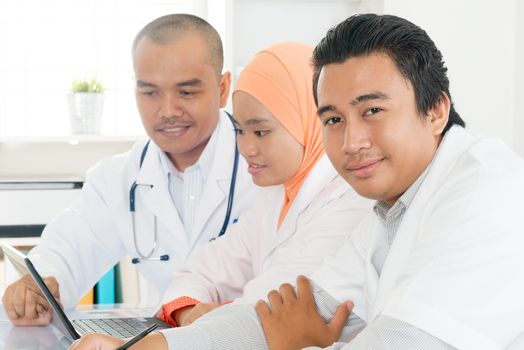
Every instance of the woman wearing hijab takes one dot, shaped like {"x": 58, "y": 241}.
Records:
{"x": 304, "y": 210}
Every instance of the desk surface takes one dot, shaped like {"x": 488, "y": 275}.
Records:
{"x": 29, "y": 338}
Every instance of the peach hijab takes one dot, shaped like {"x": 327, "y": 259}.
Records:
{"x": 280, "y": 77}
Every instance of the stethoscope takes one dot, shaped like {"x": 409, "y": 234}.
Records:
{"x": 149, "y": 256}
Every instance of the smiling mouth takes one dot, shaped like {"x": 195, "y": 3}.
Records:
{"x": 254, "y": 169}
{"x": 364, "y": 169}
{"x": 173, "y": 130}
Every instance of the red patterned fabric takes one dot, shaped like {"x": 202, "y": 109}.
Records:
{"x": 169, "y": 308}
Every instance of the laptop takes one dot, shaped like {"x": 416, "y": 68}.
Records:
{"x": 74, "y": 329}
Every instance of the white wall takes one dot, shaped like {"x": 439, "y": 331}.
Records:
{"x": 478, "y": 39}
{"x": 518, "y": 135}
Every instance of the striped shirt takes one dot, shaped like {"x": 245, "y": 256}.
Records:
{"x": 186, "y": 187}
{"x": 391, "y": 217}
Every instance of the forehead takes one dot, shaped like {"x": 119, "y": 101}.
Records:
{"x": 185, "y": 56}
{"x": 249, "y": 111}
{"x": 359, "y": 76}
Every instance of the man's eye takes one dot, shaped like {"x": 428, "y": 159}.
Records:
{"x": 261, "y": 133}
{"x": 186, "y": 93}
{"x": 147, "y": 93}
{"x": 332, "y": 121}
{"x": 373, "y": 110}
{"x": 239, "y": 131}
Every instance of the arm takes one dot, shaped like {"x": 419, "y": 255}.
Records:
{"x": 82, "y": 242}
{"x": 217, "y": 271}
{"x": 296, "y": 321}
{"x": 319, "y": 232}
{"x": 212, "y": 275}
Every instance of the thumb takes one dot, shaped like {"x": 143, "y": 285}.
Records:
{"x": 339, "y": 319}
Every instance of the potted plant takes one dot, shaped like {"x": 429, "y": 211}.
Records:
{"x": 86, "y": 102}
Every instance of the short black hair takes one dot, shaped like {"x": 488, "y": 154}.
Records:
{"x": 414, "y": 53}
{"x": 169, "y": 28}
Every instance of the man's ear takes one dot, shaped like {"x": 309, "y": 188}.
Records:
{"x": 439, "y": 115}
{"x": 225, "y": 85}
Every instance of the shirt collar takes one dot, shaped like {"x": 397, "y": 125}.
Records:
{"x": 382, "y": 209}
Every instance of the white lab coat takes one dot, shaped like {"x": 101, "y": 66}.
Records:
{"x": 455, "y": 267}
{"x": 95, "y": 232}
{"x": 254, "y": 257}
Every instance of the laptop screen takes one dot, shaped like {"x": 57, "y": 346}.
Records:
{"x": 59, "y": 320}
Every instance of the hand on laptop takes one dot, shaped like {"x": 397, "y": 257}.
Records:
{"x": 25, "y": 305}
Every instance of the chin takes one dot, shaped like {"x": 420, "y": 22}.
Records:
{"x": 264, "y": 182}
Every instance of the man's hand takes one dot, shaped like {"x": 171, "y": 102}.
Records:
{"x": 293, "y": 322}
{"x": 188, "y": 315}
{"x": 25, "y": 305}
{"x": 94, "y": 341}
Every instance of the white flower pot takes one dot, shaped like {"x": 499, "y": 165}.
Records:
{"x": 85, "y": 112}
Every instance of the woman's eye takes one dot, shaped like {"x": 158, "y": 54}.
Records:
{"x": 261, "y": 133}
{"x": 372, "y": 111}
{"x": 239, "y": 131}
{"x": 332, "y": 120}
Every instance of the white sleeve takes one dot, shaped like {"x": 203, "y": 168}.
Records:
{"x": 217, "y": 271}
{"x": 386, "y": 333}
{"x": 343, "y": 275}
{"x": 236, "y": 326}
{"x": 80, "y": 244}
{"x": 319, "y": 233}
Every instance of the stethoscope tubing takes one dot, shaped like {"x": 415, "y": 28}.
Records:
{"x": 132, "y": 208}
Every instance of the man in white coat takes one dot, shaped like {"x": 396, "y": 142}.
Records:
{"x": 438, "y": 264}
{"x": 164, "y": 197}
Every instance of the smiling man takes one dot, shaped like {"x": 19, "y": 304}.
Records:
{"x": 439, "y": 264}
{"x": 167, "y": 195}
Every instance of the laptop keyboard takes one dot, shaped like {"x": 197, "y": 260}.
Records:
{"x": 116, "y": 327}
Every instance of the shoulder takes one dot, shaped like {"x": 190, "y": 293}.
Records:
{"x": 114, "y": 167}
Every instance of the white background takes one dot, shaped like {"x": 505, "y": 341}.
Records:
{"x": 482, "y": 42}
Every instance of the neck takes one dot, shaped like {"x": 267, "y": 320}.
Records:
{"x": 182, "y": 161}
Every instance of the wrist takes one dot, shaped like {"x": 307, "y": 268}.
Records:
{"x": 179, "y": 315}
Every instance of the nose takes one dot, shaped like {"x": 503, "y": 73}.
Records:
{"x": 356, "y": 137}
{"x": 171, "y": 106}
{"x": 246, "y": 147}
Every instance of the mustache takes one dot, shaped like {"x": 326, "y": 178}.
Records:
{"x": 358, "y": 160}
{"x": 170, "y": 122}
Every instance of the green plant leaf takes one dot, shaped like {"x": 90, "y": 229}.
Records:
{"x": 87, "y": 85}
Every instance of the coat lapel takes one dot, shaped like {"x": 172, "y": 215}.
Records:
{"x": 316, "y": 181}
{"x": 153, "y": 189}
{"x": 216, "y": 188}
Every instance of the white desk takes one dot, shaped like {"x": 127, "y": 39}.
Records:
{"x": 43, "y": 338}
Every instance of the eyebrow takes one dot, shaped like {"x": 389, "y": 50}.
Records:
{"x": 323, "y": 109}
{"x": 190, "y": 82}
{"x": 141, "y": 83}
{"x": 362, "y": 98}
{"x": 369, "y": 97}
{"x": 253, "y": 121}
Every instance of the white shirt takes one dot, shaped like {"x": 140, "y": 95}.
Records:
{"x": 186, "y": 187}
